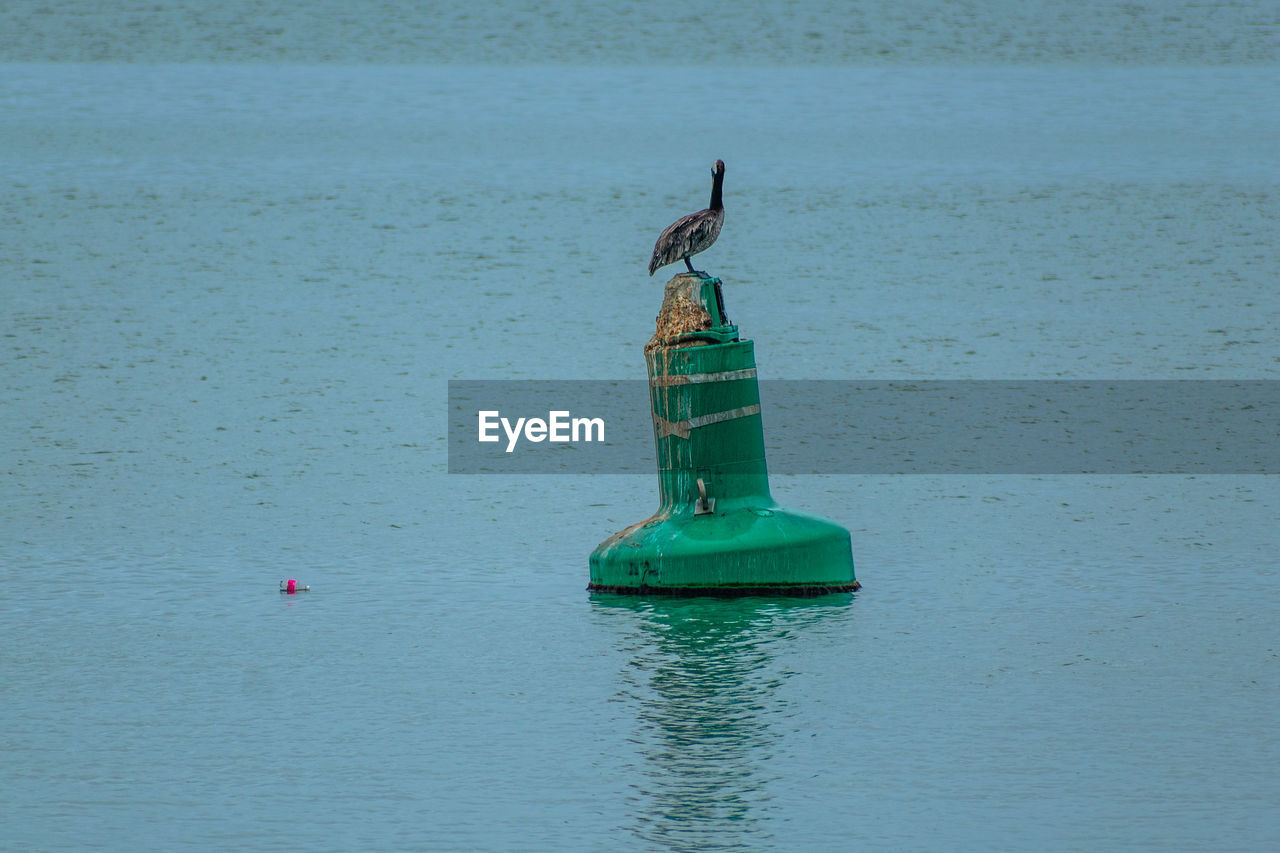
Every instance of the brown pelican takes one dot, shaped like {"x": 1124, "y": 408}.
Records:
{"x": 694, "y": 233}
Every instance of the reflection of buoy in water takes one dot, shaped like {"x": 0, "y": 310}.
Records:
{"x": 291, "y": 586}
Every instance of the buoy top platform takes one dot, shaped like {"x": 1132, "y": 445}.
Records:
{"x": 291, "y": 586}
{"x": 717, "y": 530}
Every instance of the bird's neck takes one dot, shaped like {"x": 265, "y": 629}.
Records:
{"x": 716, "y": 202}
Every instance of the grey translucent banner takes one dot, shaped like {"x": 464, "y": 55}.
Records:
{"x": 898, "y": 427}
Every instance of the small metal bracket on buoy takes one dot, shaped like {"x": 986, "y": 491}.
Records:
{"x": 705, "y": 505}
{"x": 724, "y": 318}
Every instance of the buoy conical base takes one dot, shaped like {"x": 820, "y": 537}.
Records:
{"x": 747, "y": 550}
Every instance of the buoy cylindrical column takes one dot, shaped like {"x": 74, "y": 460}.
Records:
{"x": 717, "y": 529}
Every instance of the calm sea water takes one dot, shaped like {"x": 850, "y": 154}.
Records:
{"x": 233, "y": 295}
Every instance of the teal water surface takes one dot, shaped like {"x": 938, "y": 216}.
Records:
{"x": 239, "y": 264}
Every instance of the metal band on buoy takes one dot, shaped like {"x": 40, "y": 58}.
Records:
{"x": 663, "y": 381}
{"x": 681, "y": 429}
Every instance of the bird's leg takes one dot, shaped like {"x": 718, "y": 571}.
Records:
{"x": 689, "y": 265}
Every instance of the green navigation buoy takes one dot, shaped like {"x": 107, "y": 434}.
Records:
{"x": 717, "y": 530}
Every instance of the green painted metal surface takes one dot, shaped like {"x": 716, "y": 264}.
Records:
{"x": 717, "y": 529}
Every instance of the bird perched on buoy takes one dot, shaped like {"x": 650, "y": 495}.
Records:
{"x": 694, "y": 233}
